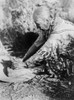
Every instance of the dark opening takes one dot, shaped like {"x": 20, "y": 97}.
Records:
{"x": 17, "y": 43}
{"x": 22, "y": 43}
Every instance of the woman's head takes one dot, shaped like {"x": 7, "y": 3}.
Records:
{"x": 41, "y": 17}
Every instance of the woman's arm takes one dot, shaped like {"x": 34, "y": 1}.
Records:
{"x": 35, "y": 47}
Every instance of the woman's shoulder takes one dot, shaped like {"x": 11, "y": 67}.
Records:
{"x": 61, "y": 25}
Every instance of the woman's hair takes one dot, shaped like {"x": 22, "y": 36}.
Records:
{"x": 41, "y": 14}
{"x": 44, "y": 12}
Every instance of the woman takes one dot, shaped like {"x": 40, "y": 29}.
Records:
{"x": 41, "y": 17}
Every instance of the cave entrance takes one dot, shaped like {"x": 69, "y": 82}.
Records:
{"x": 16, "y": 43}
{"x": 22, "y": 43}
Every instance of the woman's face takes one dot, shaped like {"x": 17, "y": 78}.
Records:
{"x": 44, "y": 23}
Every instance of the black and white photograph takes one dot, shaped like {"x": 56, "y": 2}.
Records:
{"x": 36, "y": 49}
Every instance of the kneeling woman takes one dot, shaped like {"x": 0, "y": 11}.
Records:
{"x": 41, "y": 18}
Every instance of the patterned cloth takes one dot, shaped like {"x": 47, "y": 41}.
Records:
{"x": 61, "y": 36}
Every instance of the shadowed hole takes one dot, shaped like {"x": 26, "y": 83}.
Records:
{"x": 22, "y": 43}
{"x": 17, "y": 43}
